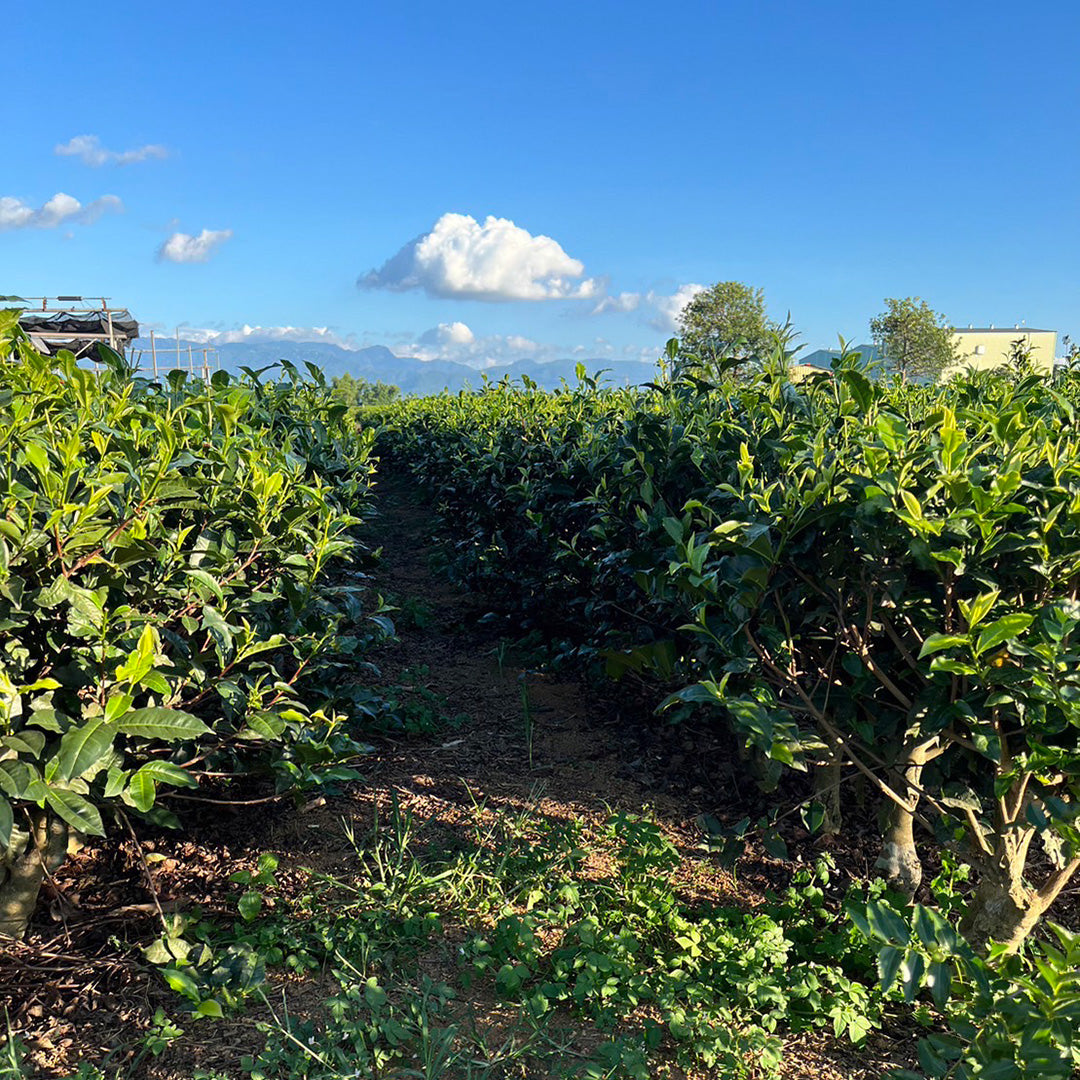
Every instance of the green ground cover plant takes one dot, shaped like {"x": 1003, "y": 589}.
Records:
{"x": 512, "y": 910}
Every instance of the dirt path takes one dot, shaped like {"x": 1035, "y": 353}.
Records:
{"x": 586, "y": 754}
{"x": 593, "y": 750}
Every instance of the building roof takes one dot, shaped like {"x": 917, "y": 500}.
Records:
{"x": 1000, "y": 330}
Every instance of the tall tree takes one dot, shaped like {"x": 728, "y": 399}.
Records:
{"x": 354, "y": 391}
{"x": 916, "y": 341}
{"x": 727, "y": 320}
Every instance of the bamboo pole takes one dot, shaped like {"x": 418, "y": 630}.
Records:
{"x": 153, "y": 352}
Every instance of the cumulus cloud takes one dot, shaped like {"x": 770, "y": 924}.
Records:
{"x": 668, "y": 308}
{"x": 496, "y": 260}
{"x": 261, "y": 334}
{"x": 61, "y": 209}
{"x": 665, "y": 306}
{"x": 185, "y": 248}
{"x": 88, "y": 149}
{"x": 456, "y": 341}
{"x": 455, "y": 333}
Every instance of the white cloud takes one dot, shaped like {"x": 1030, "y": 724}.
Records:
{"x": 666, "y": 307}
{"x": 455, "y": 333}
{"x": 89, "y": 150}
{"x": 625, "y": 301}
{"x": 669, "y": 307}
{"x": 184, "y": 248}
{"x": 455, "y": 341}
{"x": 258, "y": 334}
{"x": 61, "y": 209}
{"x": 497, "y": 260}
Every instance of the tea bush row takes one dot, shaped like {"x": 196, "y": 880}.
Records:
{"x": 174, "y": 583}
{"x": 860, "y": 576}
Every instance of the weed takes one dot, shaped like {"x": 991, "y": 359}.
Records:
{"x": 410, "y": 707}
{"x": 12, "y": 1054}
{"x": 500, "y": 652}
{"x": 527, "y": 717}
{"x": 722, "y": 986}
{"x": 411, "y": 613}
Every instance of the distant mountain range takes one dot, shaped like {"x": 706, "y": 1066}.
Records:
{"x": 414, "y": 376}
{"x": 377, "y": 363}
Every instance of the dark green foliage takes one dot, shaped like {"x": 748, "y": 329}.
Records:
{"x": 165, "y": 586}
{"x": 851, "y": 572}
{"x": 1008, "y": 1018}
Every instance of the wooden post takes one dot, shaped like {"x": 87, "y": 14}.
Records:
{"x": 190, "y": 359}
{"x": 178, "y": 347}
{"x": 153, "y": 352}
{"x": 205, "y": 365}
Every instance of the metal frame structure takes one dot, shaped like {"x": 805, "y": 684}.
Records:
{"x": 77, "y": 323}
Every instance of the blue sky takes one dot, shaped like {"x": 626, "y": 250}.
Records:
{"x": 832, "y": 154}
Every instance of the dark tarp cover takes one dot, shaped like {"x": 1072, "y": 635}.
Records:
{"x": 76, "y": 323}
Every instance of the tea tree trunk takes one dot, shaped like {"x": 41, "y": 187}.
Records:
{"x": 899, "y": 860}
{"x": 1005, "y": 909}
{"x": 44, "y": 850}
{"x": 827, "y": 794}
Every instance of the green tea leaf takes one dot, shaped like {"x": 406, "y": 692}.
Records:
{"x": 78, "y": 812}
{"x": 142, "y": 790}
{"x": 249, "y": 905}
{"x": 886, "y": 923}
{"x": 7, "y": 821}
{"x": 83, "y": 748}
{"x": 162, "y": 723}
{"x": 888, "y": 963}
{"x": 1005, "y": 629}
{"x": 27, "y": 742}
{"x": 165, "y": 772}
{"x": 937, "y": 642}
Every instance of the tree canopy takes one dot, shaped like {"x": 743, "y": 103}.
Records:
{"x": 727, "y": 320}
{"x": 916, "y": 341}
{"x": 354, "y": 391}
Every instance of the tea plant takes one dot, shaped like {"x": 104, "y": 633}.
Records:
{"x": 1011, "y": 1018}
{"x": 171, "y": 582}
{"x": 859, "y": 576}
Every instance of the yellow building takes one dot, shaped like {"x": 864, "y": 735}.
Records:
{"x": 798, "y": 373}
{"x": 986, "y": 347}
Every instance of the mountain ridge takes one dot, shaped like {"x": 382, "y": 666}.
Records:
{"x": 377, "y": 363}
